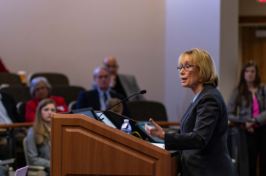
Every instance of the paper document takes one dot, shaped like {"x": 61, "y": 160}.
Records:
{"x": 159, "y": 145}
{"x": 105, "y": 119}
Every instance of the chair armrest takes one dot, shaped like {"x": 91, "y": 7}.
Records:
{"x": 36, "y": 168}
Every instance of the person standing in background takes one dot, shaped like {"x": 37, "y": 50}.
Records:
{"x": 125, "y": 85}
{"x": 248, "y": 102}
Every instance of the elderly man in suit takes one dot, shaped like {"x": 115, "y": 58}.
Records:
{"x": 125, "y": 85}
{"x": 98, "y": 97}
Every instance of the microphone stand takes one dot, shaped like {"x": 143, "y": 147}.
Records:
{"x": 141, "y": 92}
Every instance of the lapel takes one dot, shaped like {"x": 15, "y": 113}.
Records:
{"x": 123, "y": 82}
{"x": 112, "y": 94}
{"x": 191, "y": 107}
{"x": 95, "y": 99}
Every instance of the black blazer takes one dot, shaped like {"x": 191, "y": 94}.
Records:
{"x": 10, "y": 106}
{"x": 91, "y": 99}
{"x": 203, "y": 137}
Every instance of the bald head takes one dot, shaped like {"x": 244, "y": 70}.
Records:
{"x": 110, "y": 63}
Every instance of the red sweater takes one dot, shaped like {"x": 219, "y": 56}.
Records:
{"x": 2, "y": 67}
{"x": 31, "y": 107}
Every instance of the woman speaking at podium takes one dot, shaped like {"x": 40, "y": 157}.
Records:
{"x": 204, "y": 126}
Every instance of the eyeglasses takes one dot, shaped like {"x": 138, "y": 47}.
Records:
{"x": 111, "y": 66}
{"x": 103, "y": 76}
{"x": 186, "y": 67}
{"x": 40, "y": 88}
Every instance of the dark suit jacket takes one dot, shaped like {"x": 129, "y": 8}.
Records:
{"x": 203, "y": 137}
{"x": 91, "y": 99}
{"x": 10, "y": 105}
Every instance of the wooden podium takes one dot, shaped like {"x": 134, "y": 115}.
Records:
{"x": 82, "y": 146}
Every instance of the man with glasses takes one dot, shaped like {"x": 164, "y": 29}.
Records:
{"x": 125, "y": 85}
{"x": 98, "y": 97}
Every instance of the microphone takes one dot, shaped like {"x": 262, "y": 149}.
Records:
{"x": 141, "y": 92}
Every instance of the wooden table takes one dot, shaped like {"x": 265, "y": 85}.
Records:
{"x": 10, "y": 134}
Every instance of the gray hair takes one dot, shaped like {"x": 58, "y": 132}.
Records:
{"x": 37, "y": 80}
{"x": 95, "y": 72}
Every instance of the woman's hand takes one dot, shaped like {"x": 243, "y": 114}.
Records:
{"x": 250, "y": 124}
{"x": 156, "y": 131}
{"x": 250, "y": 130}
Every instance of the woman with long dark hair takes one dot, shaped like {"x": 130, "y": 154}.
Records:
{"x": 248, "y": 102}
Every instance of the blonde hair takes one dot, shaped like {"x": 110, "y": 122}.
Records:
{"x": 118, "y": 108}
{"x": 202, "y": 59}
{"x": 42, "y": 134}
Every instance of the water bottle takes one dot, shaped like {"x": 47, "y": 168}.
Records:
{"x": 126, "y": 127}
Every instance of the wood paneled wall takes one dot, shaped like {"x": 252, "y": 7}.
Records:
{"x": 254, "y": 48}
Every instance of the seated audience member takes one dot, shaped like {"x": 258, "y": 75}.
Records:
{"x": 8, "y": 109}
{"x": 117, "y": 109}
{"x": 97, "y": 98}
{"x": 40, "y": 89}
{"x": 8, "y": 115}
{"x": 2, "y": 67}
{"x": 125, "y": 85}
{"x": 38, "y": 138}
{"x": 4, "y": 171}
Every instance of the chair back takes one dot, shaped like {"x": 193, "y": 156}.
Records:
{"x": 22, "y": 171}
{"x": 21, "y": 107}
{"x": 25, "y": 150}
{"x": 11, "y": 79}
{"x": 18, "y": 93}
{"x": 55, "y": 79}
{"x": 69, "y": 93}
{"x": 33, "y": 170}
{"x": 144, "y": 110}
{"x": 72, "y": 105}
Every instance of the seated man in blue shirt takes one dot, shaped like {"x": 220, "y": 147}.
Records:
{"x": 97, "y": 97}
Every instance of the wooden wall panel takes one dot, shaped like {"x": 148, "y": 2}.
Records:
{"x": 254, "y": 48}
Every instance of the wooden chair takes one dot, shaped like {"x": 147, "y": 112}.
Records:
{"x": 33, "y": 170}
{"x": 72, "y": 105}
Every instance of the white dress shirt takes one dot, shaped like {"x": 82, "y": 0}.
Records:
{"x": 4, "y": 118}
{"x": 101, "y": 96}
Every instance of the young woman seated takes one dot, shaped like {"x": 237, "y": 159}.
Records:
{"x": 38, "y": 138}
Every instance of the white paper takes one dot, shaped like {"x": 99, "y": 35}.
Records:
{"x": 159, "y": 145}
